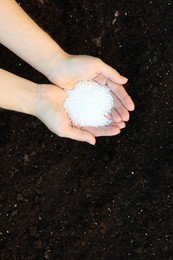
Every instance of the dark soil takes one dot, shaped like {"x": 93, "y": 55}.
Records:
{"x": 61, "y": 199}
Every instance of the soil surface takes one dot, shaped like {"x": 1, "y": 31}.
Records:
{"x": 61, "y": 199}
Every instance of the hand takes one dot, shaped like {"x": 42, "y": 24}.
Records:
{"x": 51, "y": 112}
{"x": 80, "y": 67}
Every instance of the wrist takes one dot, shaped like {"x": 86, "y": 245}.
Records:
{"x": 30, "y": 99}
{"x": 55, "y": 61}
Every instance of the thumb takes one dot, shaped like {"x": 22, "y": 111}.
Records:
{"x": 112, "y": 74}
{"x": 81, "y": 135}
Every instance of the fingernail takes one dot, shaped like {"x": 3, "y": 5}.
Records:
{"x": 92, "y": 142}
{"x": 124, "y": 78}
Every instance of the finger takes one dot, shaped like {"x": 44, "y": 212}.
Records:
{"x": 121, "y": 93}
{"x": 120, "y": 125}
{"x": 112, "y": 74}
{"x": 109, "y": 116}
{"x": 116, "y": 116}
{"x": 102, "y": 80}
{"x": 80, "y": 135}
{"x": 103, "y": 131}
{"x": 123, "y": 112}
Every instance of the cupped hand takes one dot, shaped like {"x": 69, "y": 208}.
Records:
{"x": 51, "y": 112}
{"x": 74, "y": 68}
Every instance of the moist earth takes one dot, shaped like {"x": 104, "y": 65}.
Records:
{"x": 61, "y": 199}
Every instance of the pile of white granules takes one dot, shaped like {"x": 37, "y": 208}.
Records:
{"x": 88, "y": 104}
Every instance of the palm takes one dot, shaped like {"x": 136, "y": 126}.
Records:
{"x": 80, "y": 67}
{"x": 51, "y": 112}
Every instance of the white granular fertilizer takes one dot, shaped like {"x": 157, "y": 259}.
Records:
{"x": 88, "y": 104}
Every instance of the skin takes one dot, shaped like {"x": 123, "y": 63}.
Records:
{"x": 45, "y": 102}
{"x": 37, "y": 48}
